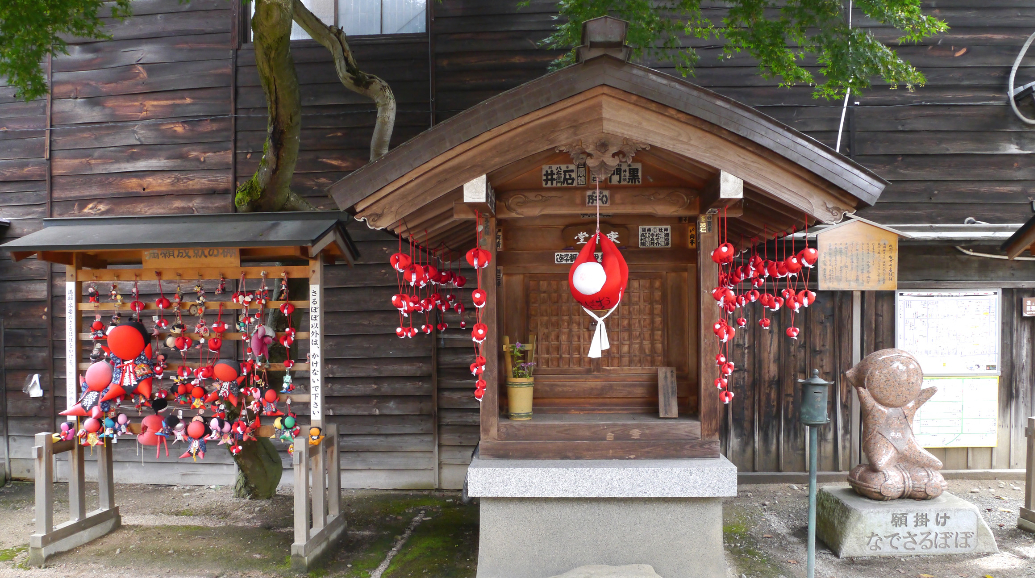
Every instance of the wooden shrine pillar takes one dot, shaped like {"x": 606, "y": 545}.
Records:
{"x": 490, "y": 407}
{"x": 707, "y": 278}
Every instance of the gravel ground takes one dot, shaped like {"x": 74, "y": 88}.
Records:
{"x": 766, "y": 536}
{"x": 205, "y": 532}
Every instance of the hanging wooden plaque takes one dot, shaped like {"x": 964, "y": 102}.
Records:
{"x": 858, "y": 256}
{"x": 191, "y": 257}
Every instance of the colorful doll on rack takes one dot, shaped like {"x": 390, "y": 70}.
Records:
{"x": 196, "y": 434}
{"x": 228, "y": 375}
{"x": 286, "y": 428}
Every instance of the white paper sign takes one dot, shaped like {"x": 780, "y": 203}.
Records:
{"x": 315, "y": 360}
{"x": 963, "y": 414}
{"x": 950, "y": 332}
{"x": 71, "y": 340}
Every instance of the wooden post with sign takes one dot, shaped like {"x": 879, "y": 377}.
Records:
{"x": 857, "y": 255}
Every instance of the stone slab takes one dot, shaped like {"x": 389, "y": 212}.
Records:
{"x": 854, "y": 526}
{"x": 544, "y": 537}
{"x": 1026, "y": 520}
{"x": 600, "y": 571}
{"x": 677, "y": 478}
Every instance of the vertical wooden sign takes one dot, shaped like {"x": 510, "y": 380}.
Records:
{"x": 858, "y": 256}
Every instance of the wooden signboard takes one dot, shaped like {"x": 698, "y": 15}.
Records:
{"x": 577, "y": 235}
{"x": 858, "y": 256}
{"x": 1029, "y": 307}
{"x": 191, "y": 257}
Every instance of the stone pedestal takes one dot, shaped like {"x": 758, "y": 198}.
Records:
{"x": 854, "y": 526}
{"x": 544, "y": 518}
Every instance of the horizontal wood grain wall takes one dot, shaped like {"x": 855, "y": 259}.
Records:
{"x": 168, "y": 116}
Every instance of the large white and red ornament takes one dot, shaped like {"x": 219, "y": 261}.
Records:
{"x": 598, "y": 286}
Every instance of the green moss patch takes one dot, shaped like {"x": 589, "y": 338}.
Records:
{"x": 10, "y": 553}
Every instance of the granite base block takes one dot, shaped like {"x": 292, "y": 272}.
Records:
{"x": 542, "y": 518}
{"x": 855, "y": 526}
{"x": 542, "y": 537}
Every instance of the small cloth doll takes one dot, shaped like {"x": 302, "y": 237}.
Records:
{"x": 315, "y": 436}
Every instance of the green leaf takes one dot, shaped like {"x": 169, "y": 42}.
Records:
{"x": 797, "y": 41}
{"x": 32, "y": 29}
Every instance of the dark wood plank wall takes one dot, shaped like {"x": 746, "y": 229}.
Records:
{"x": 145, "y": 123}
{"x": 137, "y": 125}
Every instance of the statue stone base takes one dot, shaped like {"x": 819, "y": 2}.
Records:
{"x": 854, "y": 526}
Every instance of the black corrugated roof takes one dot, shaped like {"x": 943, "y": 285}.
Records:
{"x": 208, "y": 230}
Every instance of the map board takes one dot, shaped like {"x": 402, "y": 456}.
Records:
{"x": 950, "y": 332}
{"x": 963, "y": 414}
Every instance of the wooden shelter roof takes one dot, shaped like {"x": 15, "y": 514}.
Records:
{"x": 1023, "y": 238}
{"x": 785, "y": 172}
{"x": 323, "y": 231}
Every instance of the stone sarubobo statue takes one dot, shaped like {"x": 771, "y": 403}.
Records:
{"x": 890, "y": 385}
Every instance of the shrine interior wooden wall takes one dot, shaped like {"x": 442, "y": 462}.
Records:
{"x": 166, "y": 116}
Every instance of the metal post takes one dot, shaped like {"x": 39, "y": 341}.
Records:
{"x": 813, "y": 447}
{"x": 813, "y": 413}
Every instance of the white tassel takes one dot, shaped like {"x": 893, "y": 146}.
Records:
{"x": 600, "y": 341}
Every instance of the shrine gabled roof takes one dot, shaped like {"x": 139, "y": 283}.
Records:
{"x": 729, "y": 115}
{"x": 299, "y": 229}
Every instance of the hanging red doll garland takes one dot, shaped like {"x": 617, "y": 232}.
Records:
{"x": 745, "y": 277}
{"x": 479, "y": 259}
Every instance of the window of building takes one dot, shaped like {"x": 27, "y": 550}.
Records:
{"x": 359, "y": 17}
{"x": 366, "y": 17}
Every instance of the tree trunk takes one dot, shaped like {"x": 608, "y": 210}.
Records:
{"x": 333, "y": 38}
{"x": 269, "y": 189}
{"x": 258, "y": 470}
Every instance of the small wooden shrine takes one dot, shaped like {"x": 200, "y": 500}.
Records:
{"x": 681, "y": 170}
{"x": 207, "y": 264}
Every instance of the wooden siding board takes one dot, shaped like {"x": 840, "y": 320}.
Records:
{"x": 110, "y": 54}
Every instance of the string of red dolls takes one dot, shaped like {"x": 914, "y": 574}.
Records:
{"x": 745, "y": 277}
{"x": 422, "y": 275}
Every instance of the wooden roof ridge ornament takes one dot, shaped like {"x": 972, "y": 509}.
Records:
{"x": 603, "y": 36}
{"x": 603, "y": 155}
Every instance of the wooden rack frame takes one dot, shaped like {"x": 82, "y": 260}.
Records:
{"x": 82, "y": 527}
{"x": 1026, "y": 520}
{"x": 317, "y": 497}
{"x": 319, "y": 463}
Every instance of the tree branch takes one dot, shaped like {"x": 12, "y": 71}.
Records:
{"x": 354, "y": 79}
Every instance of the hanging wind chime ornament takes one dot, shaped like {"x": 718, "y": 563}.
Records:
{"x": 598, "y": 286}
